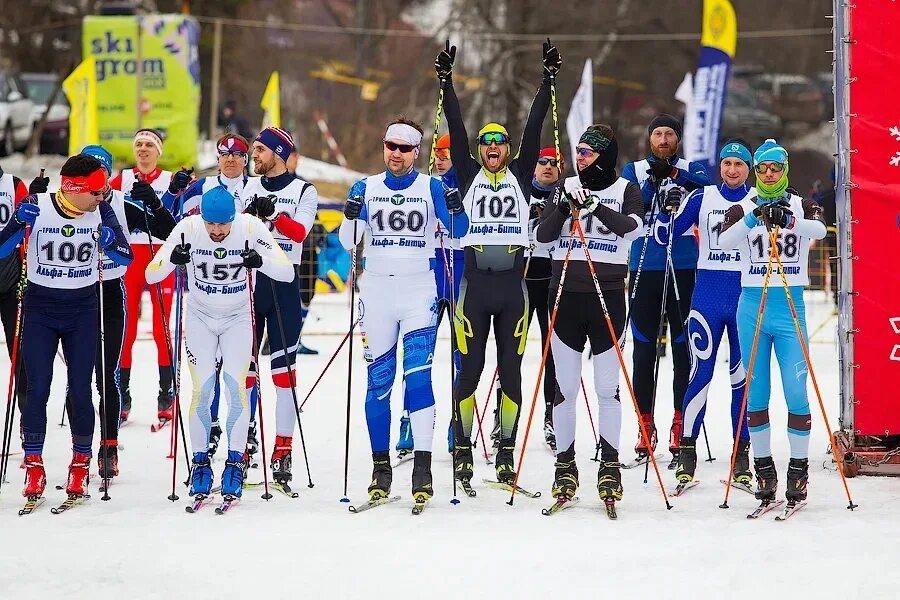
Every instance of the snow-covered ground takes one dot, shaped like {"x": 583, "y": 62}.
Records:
{"x": 141, "y": 545}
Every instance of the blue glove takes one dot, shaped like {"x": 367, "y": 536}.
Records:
{"x": 107, "y": 237}
{"x": 27, "y": 213}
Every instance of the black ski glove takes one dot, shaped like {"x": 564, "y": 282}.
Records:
{"x": 561, "y": 199}
{"x": 777, "y": 214}
{"x": 251, "y": 258}
{"x": 181, "y": 254}
{"x": 453, "y": 200}
{"x": 39, "y": 185}
{"x": 262, "y": 206}
{"x": 443, "y": 64}
{"x": 661, "y": 169}
{"x": 143, "y": 192}
{"x": 673, "y": 200}
{"x": 552, "y": 61}
{"x": 353, "y": 207}
{"x": 180, "y": 180}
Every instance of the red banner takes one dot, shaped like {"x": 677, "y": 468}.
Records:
{"x": 875, "y": 208}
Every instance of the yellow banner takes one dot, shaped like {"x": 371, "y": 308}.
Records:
{"x": 719, "y": 26}
{"x": 81, "y": 90}
{"x": 271, "y": 102}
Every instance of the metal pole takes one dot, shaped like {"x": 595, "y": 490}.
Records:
{"x": 214, "y": 85}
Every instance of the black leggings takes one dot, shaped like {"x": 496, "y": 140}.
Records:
{"x": 645, "y": 310}
{"x": 114, "y": 334}
{"x": 9, "y": 306}
{"x": 487, "y": 295}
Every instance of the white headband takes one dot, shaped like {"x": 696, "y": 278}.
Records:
{"x": 404, "y": 133}
{"x": 149, "y": 136}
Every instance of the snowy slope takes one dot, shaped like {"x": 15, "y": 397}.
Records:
{"x": 140, "y": 545}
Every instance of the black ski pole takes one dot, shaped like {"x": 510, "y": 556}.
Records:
{"x": 102, "y": 374}
{"x": 352, "y": 281}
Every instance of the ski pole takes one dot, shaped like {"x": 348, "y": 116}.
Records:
{"x": 328, "y": 364}
{"x": 480, "y": 416}
{"x": 839, "y": 457}
{"x": 616, "y": 344}
{"x": 176, "y": 382}
{"x": 590, "y": 414}
{"x": 291, "y": 377}
{"x": 259, "y": 403}
{"x": 102, "y": 374}
{"x": 752, "y": 360}
{"x": 15, "y": 359}
{"x": 352, "y": 281}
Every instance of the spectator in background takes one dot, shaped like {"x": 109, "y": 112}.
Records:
{"x": 234, "y": 122}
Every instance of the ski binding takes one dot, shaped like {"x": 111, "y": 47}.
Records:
{"x": 764, "y": 507}
{"x": 373, "y": 503}
{"x": 789, "y": 510}
{"x": 497, "y": 485}
{"x": 562, "y": 503}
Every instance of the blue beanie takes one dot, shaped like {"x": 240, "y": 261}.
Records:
{"x": 278, "y": 140}
{"x": 101, "y": 154}
{"x": 736, "y": 149}
{"x": 217, "y": 205}
{"x": 770, "y": 151}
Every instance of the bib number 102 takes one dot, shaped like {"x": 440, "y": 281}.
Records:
{"x": 496, "y": 207}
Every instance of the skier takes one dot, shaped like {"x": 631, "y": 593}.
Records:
{"x": 713, "y": 304}
{"x": 232, "y": 150}
{"x": 610, "y": 210}
{"x": 747, "y": 227}
{"x": 287, "y": 205}
{"x": 12, "y": 192}
{"x": 397, "y": 213}
{"x": 60, "y": 305}
{"x": 493, "y": 286}
{"x": 221, "y": 248}
{"x": 147, "y": 151}
{"x": 444, "y": 248}
{"x": 661, "y": 171}
{"x": 138, "y": 212}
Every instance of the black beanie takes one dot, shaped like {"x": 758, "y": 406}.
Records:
{"x": 665, "y": 120}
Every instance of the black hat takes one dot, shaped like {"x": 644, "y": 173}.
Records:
{"x": 665, "y": 120}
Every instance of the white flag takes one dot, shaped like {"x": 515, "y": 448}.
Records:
{"x": 685, "y": 95}
{"x": 581, "y": 112}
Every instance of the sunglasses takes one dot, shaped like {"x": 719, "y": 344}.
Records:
{"x": 95, "y": 194}
{"x": 236, "y": 153}
{"x": 493, "y": 138}
{"x": 404, "y": 148}
{"x": 547, "y": 161}
{"x": 775, "y": 167}
{"x": 585, "y": 152}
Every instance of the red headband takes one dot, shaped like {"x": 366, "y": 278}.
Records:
{"x": 83, "y": 184}
{"x": 232, "y": 144}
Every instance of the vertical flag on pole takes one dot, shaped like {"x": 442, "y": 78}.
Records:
{"x": 271, "y": 102}
{"x": 703, "y": 116}
{"x": 81, "y": 90}
{"x": 581, "y": 111}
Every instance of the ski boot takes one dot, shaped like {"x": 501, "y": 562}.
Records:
{"x": 125, "y": 386}
{"x": 405, "y": 440}
{"x": 281, "y": 460}
{"x": 79, "y": 474}
{"x": 422, "y": 489}
{"x": 797, "y": 479}
{"x": 201, "y": 475}
{"x": 640, "y": 448}
{"x": 35, "y": 476}
{"x": 165, "y": 402}
{"x": 504, "y": 462}
{"x": 566, "y": 480}
{"x": 609, "y": 480}
{"x": 675, "y": 434}
{"x": 252, "y": 442}
{"x": 233, "y": 475}
{"x": 495, "y": 432}
{"x": 741, "y": 473}
{"x": 766, "y": 477}
{"x": 382, "y": 476}
{"x": 549, "y": 433}
{"x": 108, "y": 459}
{"x": 301, "y": 349}
{"x": 462, "y": 462}
{"x": 687, "y": 460}
{"x": 215, "y": 434}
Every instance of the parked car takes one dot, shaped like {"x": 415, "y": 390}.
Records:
{"x": 794, "y": 98}
{"x": 55, "y": 136}
{"x": 15, "y": 113}
{"x": 743, "y": 117}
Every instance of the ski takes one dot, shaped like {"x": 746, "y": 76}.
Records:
{"x": 420, "y": 501}
{"x": 764, "y": 507}
{"x": 610, "y": 505}
{"x": 739, "y": 486}
{"x": 497, "y": 485}
{"x": 197, "y": 503}
{"x": 159, "y": 425}
{"x": 562, "y": 503}
{"x": 31, "y": 504}
{"x": 789, "y": 510}
{"x": 373, "y": 503}
{"x": 639, "y": 460}
{"x": 285, "y": 489}
{"x": 681, "y": 488}
{"x": 68, "y": 503}
{"x": 466, "y": 485}
{"x": 227, "y": 503}
{"x": 402, "y": 457}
